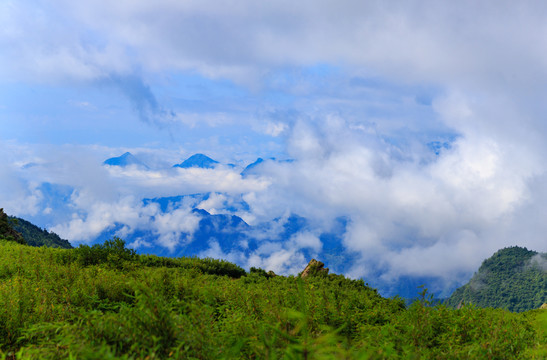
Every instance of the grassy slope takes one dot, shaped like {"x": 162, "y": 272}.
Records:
{"x": 539, "y": 319}
{"x": 106, "y": 302}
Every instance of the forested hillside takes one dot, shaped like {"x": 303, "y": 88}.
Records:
{"x": 21, "y": 231}
{"x": 7, "y": 231}
{"x": 107, "y": 302}
{"x": 34, "y": 236}
{"x": 514, "y": 278}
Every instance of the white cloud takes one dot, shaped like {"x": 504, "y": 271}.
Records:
{"x": 409, "y": 40}
{"x": 139, "y": 243}
{"x": 216, "y": 203}
{"x": 215, "y": 252}
{"x": 450, "y": 209}
{"x": 539, "y": 261}
{"x": 282, "y": 261}
{"x": 307, "y": 240}
{"x": 97, "y": 217}
{"x": 170, "y": 226}
{"x": 17, "y": 193}
{"x": 170, "y": 182}
{"x": 275, "y": 128}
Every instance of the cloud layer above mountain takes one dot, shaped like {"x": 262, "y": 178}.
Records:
{"x": 420, "y": 122}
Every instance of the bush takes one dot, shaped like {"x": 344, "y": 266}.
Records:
{"x": 113, "y": 252}
{"x": 204, "y": 266}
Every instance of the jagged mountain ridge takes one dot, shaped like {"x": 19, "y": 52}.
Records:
{"x": 194, "y": 161}
{"x": 227, "y": 231}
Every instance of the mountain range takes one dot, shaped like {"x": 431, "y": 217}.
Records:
{"x": 194, "y": 161}
{"x": 230, "y": 234}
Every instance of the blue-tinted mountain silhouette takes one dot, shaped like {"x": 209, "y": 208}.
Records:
{"x": 254, "y": 168}
{"x": 198, "y": 161}
{"x": 228, "y": 231}
{"x": 250, "y": 169}
{"x": 124, "y": 160}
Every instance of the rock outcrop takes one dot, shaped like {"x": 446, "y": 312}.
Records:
{"x": 313, "y": 268}
{"x": 544, "y": 306}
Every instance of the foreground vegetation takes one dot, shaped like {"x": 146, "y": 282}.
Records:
{"x": 106, "y": 302}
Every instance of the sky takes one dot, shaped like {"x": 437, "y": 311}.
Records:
{"x": 422, "y": 122}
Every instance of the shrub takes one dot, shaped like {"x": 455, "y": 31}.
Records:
{"x": 113, "y": 252}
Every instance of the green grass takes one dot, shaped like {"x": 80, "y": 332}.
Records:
{"x": 539, "y": 321}
{"x": 106, "y": 302}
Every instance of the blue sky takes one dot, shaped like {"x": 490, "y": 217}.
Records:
{"x": 420, "y": 121}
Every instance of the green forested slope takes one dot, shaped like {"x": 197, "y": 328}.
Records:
{"x": 24, "y": 232}
{"x": 34, "y": 236}
{"x": 6, "y": 229}
{"x": 106, "y": 302}
{"x": 514, "y": 278}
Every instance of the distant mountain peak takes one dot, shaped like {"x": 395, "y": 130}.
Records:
{"x": 198, "y": 161}
{"x": 124, "y": 160}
